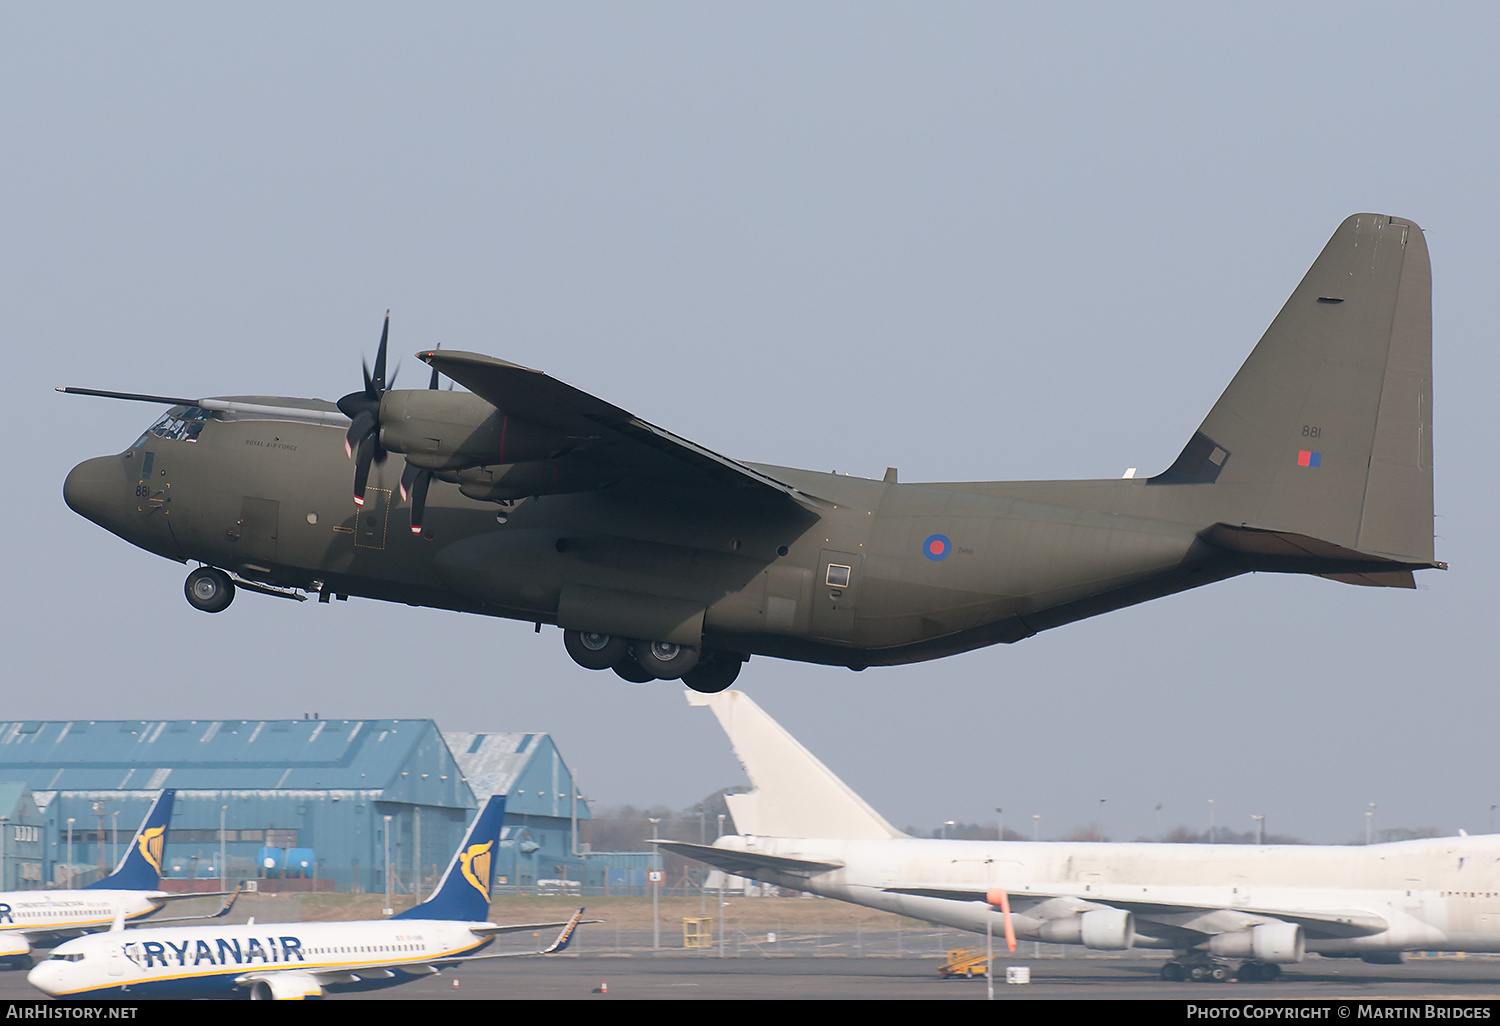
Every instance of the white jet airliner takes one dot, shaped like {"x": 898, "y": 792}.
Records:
{"x": 30, "y": 919}
{"x": 802, "y": 828}
{"x": 300, "y": 960}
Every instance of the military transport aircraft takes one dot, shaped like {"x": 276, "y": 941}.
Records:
{"x": 529, "y": 499}
{"x": 802, "y": 828}
{"x": 301, "y": 960}
{"x": 31, "y": 919}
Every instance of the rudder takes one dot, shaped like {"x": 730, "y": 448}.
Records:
{"x": 140, "y": 866}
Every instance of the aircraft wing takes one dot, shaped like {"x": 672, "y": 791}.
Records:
{"x": 534, "y": 397}
{"x": 1197, "y": 918}
{"x": 224, "y": 910}
{"x": 747, "y": 863}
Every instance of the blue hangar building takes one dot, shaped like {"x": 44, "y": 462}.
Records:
{"x": 289, "y": 801}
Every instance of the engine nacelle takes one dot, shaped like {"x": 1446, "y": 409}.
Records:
{"x": 1279, "y": 943}
{"x": 285, "y": 987}
{"x": 441, "y": 430}
{"x": 13, "y": 945}
{"x": 1104, "y": 929}
{"x": 539, "y": 477}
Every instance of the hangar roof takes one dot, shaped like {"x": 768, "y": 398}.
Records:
{"x": 525, "y": 767}
{"x": 405, "y": 759}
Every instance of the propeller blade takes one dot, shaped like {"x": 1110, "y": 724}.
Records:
{"x": 362, "y": 459}
{"x": 362, "y": 425}
{"x": 379, "y": 380}
{"x": 419, "y": 499}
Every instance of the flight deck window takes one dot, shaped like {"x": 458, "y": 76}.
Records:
{"x": 838, "y": 576}
{"x": 180, "y": 423}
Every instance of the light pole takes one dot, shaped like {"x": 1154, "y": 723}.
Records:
{"x": 946, "y": 825}
{"x": 1036, "y": 826}
{"x": 1260, "y": 828}
{"x": 1101, "y": 818}
{"x": 1210, "y": 821}
{"x": 70, "y": 853}
{"x": 387, "y": 838}
{"x": 721, "y": 894}
{"x": 655, "y": 887}
{"x": 1370, "y": 824}
{"x": 114, "y": 837}
{"x": 1158, "y": 821}
{"x": 223, "y": 864}
{"x": 999, "y": 823}
{"x": 4, "y": 822}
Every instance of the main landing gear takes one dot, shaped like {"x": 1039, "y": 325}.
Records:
{"x": 1197, "y": 968}
{"x": 705, "y": 670}
{"x": 209, "y": 589}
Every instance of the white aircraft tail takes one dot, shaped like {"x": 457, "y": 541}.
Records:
{"x": 794, "y": 794}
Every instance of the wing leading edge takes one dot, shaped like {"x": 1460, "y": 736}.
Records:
{"x": 532, "y": 396}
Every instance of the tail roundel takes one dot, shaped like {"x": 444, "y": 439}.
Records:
{"x": 463, "y": 894}
{"x": 140, "y": 867}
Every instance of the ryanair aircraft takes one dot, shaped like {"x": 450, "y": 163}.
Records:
{"x": 300, "y": 960}
{"x": 30, "y": 919}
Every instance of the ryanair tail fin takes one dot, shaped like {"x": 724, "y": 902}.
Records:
{"x": 140, "y": 867}
{"x": 463, "y": 893}
{"x": 1325, "y": 434}
{"x": 794, "y": 794}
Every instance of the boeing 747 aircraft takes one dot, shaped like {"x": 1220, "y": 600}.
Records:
{"x": 1264, "y": 906}
{"x": 301, "y": 960}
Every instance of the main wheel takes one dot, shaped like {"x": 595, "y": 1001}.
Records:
{"x": 209, "y": 589}
{"x": 1172, "y": 972}
{"x": 594, "y": 651}
{"x": 664, "y": 660}
{"x": 628, "y": 669}
{"x": 713, "y": 673}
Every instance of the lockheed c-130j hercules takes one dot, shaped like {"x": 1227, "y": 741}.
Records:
{"x": 529, "y": 499}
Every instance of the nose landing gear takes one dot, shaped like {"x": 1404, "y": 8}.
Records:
{"x": 209, "y": 589}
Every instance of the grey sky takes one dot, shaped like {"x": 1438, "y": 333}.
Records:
{"x": 966, "y": 240}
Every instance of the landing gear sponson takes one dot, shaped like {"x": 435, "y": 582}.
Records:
{"x": 705, "y": 670}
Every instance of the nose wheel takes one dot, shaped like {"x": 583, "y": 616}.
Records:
{"x": 209, "y": 589}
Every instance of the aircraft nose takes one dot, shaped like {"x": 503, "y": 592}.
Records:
{"x": 45, "y": 977}
{"x": 91, "y": 486}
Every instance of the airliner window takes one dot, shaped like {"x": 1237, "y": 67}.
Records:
{"x": 838, "y": 576}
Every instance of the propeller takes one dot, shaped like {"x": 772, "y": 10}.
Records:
{"x": 414, "y": 480}
{"x": 362, "y": 443}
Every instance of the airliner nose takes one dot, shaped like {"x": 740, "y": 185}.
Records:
{"x": 45, "y": 977}
{"x": 91, "y": 486}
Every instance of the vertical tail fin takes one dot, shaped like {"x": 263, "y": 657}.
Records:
{"x": 1326, "y": 431}
{"x": 140, "y": 867}
{"x": 464, "y": 891}
{"x": 794, "y": 794}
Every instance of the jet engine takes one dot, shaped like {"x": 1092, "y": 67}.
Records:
{"x": 1279, "y": 943}
{"x": 1104, "y": 929}
{"x": 285, "y": 987}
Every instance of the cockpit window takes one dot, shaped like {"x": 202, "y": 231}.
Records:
{"x": 179, "y": 424}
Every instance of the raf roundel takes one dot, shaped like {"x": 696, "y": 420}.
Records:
{"x": 937, "y": 547}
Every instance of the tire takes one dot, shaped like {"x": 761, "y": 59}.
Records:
{"x": 714, "y": 673}
{"x": 594, "y": 651}
{"x": 1172, "y": 972}
{"x": 209, "y": 589}
{"x": 665, "y": 661}
{"x": 627, "y": 669}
